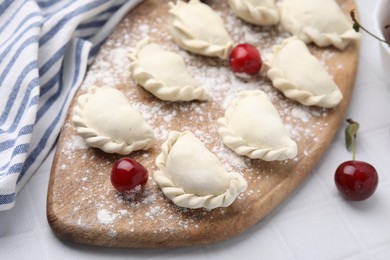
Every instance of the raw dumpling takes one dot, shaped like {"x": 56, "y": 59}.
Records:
{"x": 163, "y": 73}
{"x": 301, "y": 76}
{"x": 195, "y": 27}
{"x": 105, "y": 119}
{"x": 252, "y": 127}
{"x": 319, "y": 21}
{"x": 193, "y": 177}
{"x": 259, "y": 12}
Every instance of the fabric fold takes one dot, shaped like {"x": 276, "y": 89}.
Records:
{"x": 45, "y": 49}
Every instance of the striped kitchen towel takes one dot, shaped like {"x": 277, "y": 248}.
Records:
{"x": 45, "y": 47}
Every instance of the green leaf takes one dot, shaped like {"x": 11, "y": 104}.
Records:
{"x": 356, "y": 27}
{"x": 350, "y": 133}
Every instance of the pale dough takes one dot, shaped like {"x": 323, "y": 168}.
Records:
{"x": 253, "y": 127}
{"x": 195, "y": 27}
{"x": 320, "y": 21}
{"x": 301, "y": 76}
{"x": 259, "y": 12}
{"x": 106, "y": 120}
{"x": 193, "y": 177}
{"x": 163, "y": 73}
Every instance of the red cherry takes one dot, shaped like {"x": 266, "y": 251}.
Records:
{"x": 126, "y": 174}
{"x": 356, "y": 180}
{"x": 245, "y": 60}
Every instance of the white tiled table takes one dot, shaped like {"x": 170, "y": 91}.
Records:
{"x": 314, "y": 223}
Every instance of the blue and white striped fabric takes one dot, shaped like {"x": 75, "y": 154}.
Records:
{"x": 45, "y": 47}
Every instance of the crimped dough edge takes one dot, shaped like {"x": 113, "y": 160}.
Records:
{"x": 188, "y": 42}
{"x": 92, "y": 137}
{"x": 241, "y": 146}
{"x": 158, "y": 88}
{"x": 258, "y": 15}
{"x": 189, "y": 200}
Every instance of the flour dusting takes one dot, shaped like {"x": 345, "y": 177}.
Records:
{"x": 91, "y": 187}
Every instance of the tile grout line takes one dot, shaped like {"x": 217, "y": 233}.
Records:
{"x": 281, "y": 240}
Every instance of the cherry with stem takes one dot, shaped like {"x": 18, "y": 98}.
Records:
{"x": 355, "y": 180}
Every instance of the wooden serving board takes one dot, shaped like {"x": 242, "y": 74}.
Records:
{"x": 82, "y": 205}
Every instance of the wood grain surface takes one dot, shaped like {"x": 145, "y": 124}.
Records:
{"x": 82, "y": 205}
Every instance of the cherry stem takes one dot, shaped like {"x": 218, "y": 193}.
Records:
{"x": 354, "y": 148}
{"x": 358, "y": 26}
